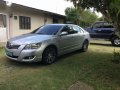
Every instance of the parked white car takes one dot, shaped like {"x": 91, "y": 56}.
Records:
{"x": 47, "y": 42}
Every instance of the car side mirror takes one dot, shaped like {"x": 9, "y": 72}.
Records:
{"x": 63, "y": 33}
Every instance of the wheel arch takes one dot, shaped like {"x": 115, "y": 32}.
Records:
{"x": 86, "y": 40}
{"x": 113, "y": 35}
{"x": 51, "y": 45}
{"x": 85, "y": 49}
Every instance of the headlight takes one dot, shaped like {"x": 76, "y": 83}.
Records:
{"x": 33, "y": 46}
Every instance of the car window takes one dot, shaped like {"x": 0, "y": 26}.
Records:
{"x": 66, "y": 29}
{"x": 108, "y": 25}
{"x": 77, "y": 28}
{"x": 98, "y": 25}
{"x": 82, "y": 30}
{"x": 69, "y": 29}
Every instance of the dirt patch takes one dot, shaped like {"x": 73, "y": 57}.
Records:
{"x": 80, "y": 86}
{"x": 118, "y": 88}
{"x": 2, "y": 44}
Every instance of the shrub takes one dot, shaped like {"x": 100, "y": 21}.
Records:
{"x": 116, "y": 56}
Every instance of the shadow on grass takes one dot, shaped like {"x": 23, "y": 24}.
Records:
{"x": 69, "y": 55}
{"x": 38, "y": 64}
{"x": 23, "y": 64}
{"x": 101, "y": 44}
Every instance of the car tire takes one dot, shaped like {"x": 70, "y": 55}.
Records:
{"x": 85, "y": 46}
{"x": 115, "y": 41}
{"x": 49, "y": 55}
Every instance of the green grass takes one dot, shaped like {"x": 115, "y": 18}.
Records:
{"x": 93, "y": 68}
{"x": 1, "y": 51}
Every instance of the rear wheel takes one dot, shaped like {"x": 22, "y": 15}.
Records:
{"x": 49, "y": 55}
{"x": 115, "y": 41}
{"x": 85, "y": 46}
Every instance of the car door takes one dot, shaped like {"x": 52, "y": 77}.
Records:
{"x": 107, "y": 30}
{"x": 102, "y": 30}
{"x": 66, "y": 42}
{"x": 78, "y": 36}
{"x": 96, "y": 30}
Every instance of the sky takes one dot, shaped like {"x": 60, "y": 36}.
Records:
{"x": 56, "y": 6}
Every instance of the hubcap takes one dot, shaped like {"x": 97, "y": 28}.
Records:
{"x": 50, "y": 55}
{"x": 85, "y": 46}
{"x": 117, "y": 41}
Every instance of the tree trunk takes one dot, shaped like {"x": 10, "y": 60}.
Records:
{"x": 114, "y": 18}
{"x": 116, "y": 23}
{"x": 117, "y": 26}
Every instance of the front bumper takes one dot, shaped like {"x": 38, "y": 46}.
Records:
{"x": 33, "y": 55}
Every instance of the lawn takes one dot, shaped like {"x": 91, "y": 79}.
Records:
{"x": 93, "y": 68}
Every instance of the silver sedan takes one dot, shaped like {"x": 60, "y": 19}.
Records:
{"x": 47, "y": 42}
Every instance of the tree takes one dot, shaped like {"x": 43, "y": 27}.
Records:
{"x": 109, "y": 8}
{"x": 80, "y": 17}
{"x": 72, "y": 15}
{"x": 88, "y": 17}
{"x": 101, "y": 19}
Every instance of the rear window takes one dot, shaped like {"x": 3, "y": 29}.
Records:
{"x": 103, "y": 25}
{"x": 108, "y": 25}
{"x": 98, "y": 25}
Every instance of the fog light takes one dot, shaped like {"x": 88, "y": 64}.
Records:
{"x": 29, "y": 57}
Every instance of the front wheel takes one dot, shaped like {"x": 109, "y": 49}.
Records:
{"x": 85, "y": 46}
{"x": 115, "y": 41}
{"x": 49, "y": 55}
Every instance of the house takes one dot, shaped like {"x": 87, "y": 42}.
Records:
{"x": 17, "y": 19}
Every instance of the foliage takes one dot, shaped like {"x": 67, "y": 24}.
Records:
{"x": 88, "y": 18}
{"x": 116, "y": 56}
{"x": 80, "y": 17}
{"x": 109, "y": 8}
{"x": 1, "y": 51}
{"x": 72, "y": 15}
{"x": 101, "y": 18}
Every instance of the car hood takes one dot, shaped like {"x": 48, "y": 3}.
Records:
{"x": 30, "y": 38}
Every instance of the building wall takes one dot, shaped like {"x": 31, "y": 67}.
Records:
{"x": 49, "y": 20}
{"x": 61, "y": 21}
{"x": 4, "y": 30}
{"x": 37, "y": 19}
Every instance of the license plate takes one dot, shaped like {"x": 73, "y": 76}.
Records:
{"x": 9, "y": 53}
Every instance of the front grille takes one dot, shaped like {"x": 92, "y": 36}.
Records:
{"x": 12, "y": 46}
{"x": 13, "y": 56}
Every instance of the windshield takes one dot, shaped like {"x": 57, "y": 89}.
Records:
{"x": 48, "y": 29}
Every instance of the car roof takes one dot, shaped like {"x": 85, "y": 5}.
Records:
{"x": 60, "y": 24}
{"x": 102, "y": 22}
